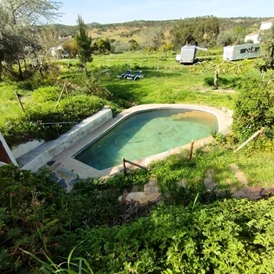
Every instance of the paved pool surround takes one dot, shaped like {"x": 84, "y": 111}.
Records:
{"x": 66, "y": 161}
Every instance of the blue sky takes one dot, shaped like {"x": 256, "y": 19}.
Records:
{"x": 118, "y": 11}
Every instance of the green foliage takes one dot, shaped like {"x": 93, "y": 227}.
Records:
{"x": 84, "y": 43}
{"x": 230, "y": 236}
{"x": 254, "y": 109}
{"x": 102, "y": 46}
{"x": 31, "y": 215}
{"x": 46, "y": 94}
{"x": 199, "y": 30}
{"x": 70, "y": 266}
{"x": 31, "y": 126}
{"x": 93, "y": 87}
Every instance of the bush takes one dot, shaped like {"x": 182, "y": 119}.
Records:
{"x": 254, "y": 109}
{"x": 31, "y": 126}
{"x": 230, "y": 236}
{"x": 46, "y": 94}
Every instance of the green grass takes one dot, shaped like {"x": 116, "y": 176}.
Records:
{"x": 165, "y": 81}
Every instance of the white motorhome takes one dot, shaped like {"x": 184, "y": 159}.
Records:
{"x": 188, "y": 54}
{"x": 240, "y": 52}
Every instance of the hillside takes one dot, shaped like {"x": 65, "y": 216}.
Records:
{"x": 133, "y": 30}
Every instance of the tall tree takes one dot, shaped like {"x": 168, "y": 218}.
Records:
{"x": 31, "y": 12}
{"x": 18, "y": 37}
{"x": 195, "y": 31}
{"x": 84, "y": 43}
{"x": 153, "y": 38}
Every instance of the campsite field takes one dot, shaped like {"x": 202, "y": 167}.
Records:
{"x": 165, "y": 81}
{"x": 191, "y": 230}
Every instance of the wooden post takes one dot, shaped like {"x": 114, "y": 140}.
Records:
{"x": 60, "y": 96}
{"x": 19, "y": 101}
{"x": 259, "y": 132}
{"x": 67, "y": 85}
{"x": 259, "y": 135}
{"x": 124, "y": 166}
{"x": 191, "y": 149}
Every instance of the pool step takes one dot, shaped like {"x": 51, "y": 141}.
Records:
{"x": 192, "y": 114}
{"x": 65, "y": 177}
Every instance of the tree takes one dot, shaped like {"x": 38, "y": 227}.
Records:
{"x": 195, "y": 31}
{"x": 153, "y": 38}
{"x": 219, "y": 68}
{"x": 18, "y": 36}
{"x": 133, "y": 45}
{"x": 103, "y": 46}
{"x": 31, "y": 12}
{"x": 84, "y": 43}
{"x": 71, "y": 47}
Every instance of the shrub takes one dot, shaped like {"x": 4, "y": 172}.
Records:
{"x": 254, "y": 109}
{"x": 46, "y": 94}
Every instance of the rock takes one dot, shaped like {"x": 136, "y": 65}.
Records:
{"x": 250, "y": 193}
{"x": 141, "y": 198}
{"x": 137, "y": 188}
{"x": 269, "y": 191}
{"x": 152, "y": 185}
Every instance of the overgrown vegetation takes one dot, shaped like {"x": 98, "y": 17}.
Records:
{"x": 191, "y": 230}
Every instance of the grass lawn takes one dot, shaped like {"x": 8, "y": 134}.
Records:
{"x": 165, "y": 81}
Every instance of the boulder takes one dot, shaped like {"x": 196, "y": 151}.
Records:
{"x": 140, "y": 198}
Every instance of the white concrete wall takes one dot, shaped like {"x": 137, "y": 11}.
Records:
{"x": 68, "y": 139}
{"x": 26, "y": 148}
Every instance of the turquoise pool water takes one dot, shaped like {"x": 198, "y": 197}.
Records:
{"x": 145, "y": 134}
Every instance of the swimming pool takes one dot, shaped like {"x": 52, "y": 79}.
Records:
{"x": 147, "y": 133}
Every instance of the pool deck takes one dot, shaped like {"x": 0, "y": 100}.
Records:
{"x": 66, "y": 167}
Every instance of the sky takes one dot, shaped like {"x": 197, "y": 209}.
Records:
{"x": 119, "y": 11}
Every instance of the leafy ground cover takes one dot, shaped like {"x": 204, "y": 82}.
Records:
{"x": 191, "y": 230}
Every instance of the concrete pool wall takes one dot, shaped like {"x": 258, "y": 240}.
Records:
{"x": 66, "y": 161}
{"x": 39, "y": 157}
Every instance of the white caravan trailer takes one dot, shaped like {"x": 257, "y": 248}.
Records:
{"x": 188, "y": 54}
{"x": 239, "y": 52}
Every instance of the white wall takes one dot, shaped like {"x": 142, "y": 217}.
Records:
{"x": 23, "y": 149}
{"x": 68, "y": 139}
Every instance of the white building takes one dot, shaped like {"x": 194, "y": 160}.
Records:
{"x": 254, "y": 37}
{"x": 267, "y": 24}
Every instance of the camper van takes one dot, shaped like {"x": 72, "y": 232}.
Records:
{"x": 188, "y": 54}
{"x": 239, "y": 52}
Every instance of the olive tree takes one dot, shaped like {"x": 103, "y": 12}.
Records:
{"x": 19, "y": 35}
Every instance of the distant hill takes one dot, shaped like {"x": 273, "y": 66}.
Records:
{"x": 132, "y": 30}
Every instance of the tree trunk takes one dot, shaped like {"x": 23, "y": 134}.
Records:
{"x": 1, "y": 70}
{"x": 20, "y": 75}
{"x": 216, "y": 78}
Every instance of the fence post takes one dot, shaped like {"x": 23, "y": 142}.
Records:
{"x": 19, "y": 100}
{"x": 191, "y": 150}
{"x": 124, "y": 166}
